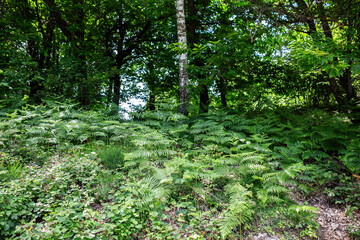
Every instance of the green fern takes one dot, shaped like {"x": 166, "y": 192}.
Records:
{"x": 351, "y": 157}
{"x": 239, "y": 210}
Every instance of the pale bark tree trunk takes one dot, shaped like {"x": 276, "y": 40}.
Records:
{"x": 183, "y": 58}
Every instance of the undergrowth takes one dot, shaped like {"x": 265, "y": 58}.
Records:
{"x": 72, "y": 174}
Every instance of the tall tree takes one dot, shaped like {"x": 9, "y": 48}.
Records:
{"x": 183, "y": 57}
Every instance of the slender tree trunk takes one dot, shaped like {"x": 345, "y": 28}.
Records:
{"x": 223, "y": 90}
{"x": 76, "y": 37}
{"x": 117, "y": 83}
{"x": 120, "y": 56}
{"x": 336, "y": 91}
{"x": 204, "y": 99}
{"x": 84, "y": 94}
{"x": 78, "y": 20}
{"x": 110, "y": 90}
{"x": 194, "y": 38}
{"x": 345, "y": 79}
{"x": 183, "y": 58}
{"x": 151, "y": 103}
{"x": 34, "y": 50}
{"x": 35, "y": 85}
{"x": 347, "y": 84}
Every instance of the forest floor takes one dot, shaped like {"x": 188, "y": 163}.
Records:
{"x": 70, "y": 174}
{"x": 333, "y": 220}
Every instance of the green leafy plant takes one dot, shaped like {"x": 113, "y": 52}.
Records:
{"x": 112, "y": 157}
{"x": 354, "y": 232}
{"x": 351, "y": 157}
{"x": 10, "y": 172}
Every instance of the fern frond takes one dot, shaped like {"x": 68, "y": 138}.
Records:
{"x": 302, "y": 208}
{"x": 239, "y": 209}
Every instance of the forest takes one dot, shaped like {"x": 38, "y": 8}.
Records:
{"x": 248, "y": 125}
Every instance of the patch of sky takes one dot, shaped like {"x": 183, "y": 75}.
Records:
{"x": 134, "y": 103}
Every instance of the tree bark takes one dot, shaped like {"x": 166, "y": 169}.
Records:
{"x": 35, "y": 85}
{"x": 37, "y": 47}
{"x": 347, "y": 84}
{"x": 307, "y": 14}
{"x": 183, "y": 58}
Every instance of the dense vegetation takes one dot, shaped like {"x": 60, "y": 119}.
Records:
{"x": 67, "y": 173}
{"x": 269, "y": 112}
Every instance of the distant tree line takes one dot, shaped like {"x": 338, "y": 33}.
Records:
{"x": 240, "y": 53}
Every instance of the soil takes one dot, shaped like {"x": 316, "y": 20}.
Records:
{"x": 334, "y": 220}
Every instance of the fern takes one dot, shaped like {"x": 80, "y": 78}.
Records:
{"x": 232, "y": 161}
{"x": 147, "y": 194}
{"x": 239, "y": 210}
{"x": 351, "y": 157}
{"x": 302, "y": 208}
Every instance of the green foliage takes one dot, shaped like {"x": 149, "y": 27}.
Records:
{"x": 354, "y": 232}
{"x": 343, "y": 190}
{"x": 10, "y": 172}
{"x": 351, "y": 157}
{"x": 217, "y": 174}
{"x": 239, "y": 210}
{"x": 223, "y": 147}
{"x": 33, "y": 131}
{"x": 39, "y": 192}
{"x": 112, "y": 157}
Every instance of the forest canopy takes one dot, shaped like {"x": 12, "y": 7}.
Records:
{"x": 241, "y": 53}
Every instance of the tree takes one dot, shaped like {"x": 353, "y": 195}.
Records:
{"x": 75, "y": 31}
{"x": 183, "y": 57}
{"x": 331, "y": 42}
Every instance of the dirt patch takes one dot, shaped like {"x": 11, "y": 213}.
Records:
{"x": 334, "y": 220}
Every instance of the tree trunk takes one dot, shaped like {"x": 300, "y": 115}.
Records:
{"x": 84, "y": 94}
{"x": 346, "y": 83}
{"x": 194, "y": 38}
{"x": 151, "y": 103}
{"x": 77, "y": 39}
{"x": 117, "y": 83}
{"x": 35, "y": 85}
{"x": 120, "y": 56}
{"x": 204, "y": 99}
{"x": 336, "y": 91}
{"x": 78, "y": 21}
{"x": 223, "y": 89}
{"x": 345, "y": 79}
{"x": 183, "y": 58}
{"x": 110, "y": 90}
